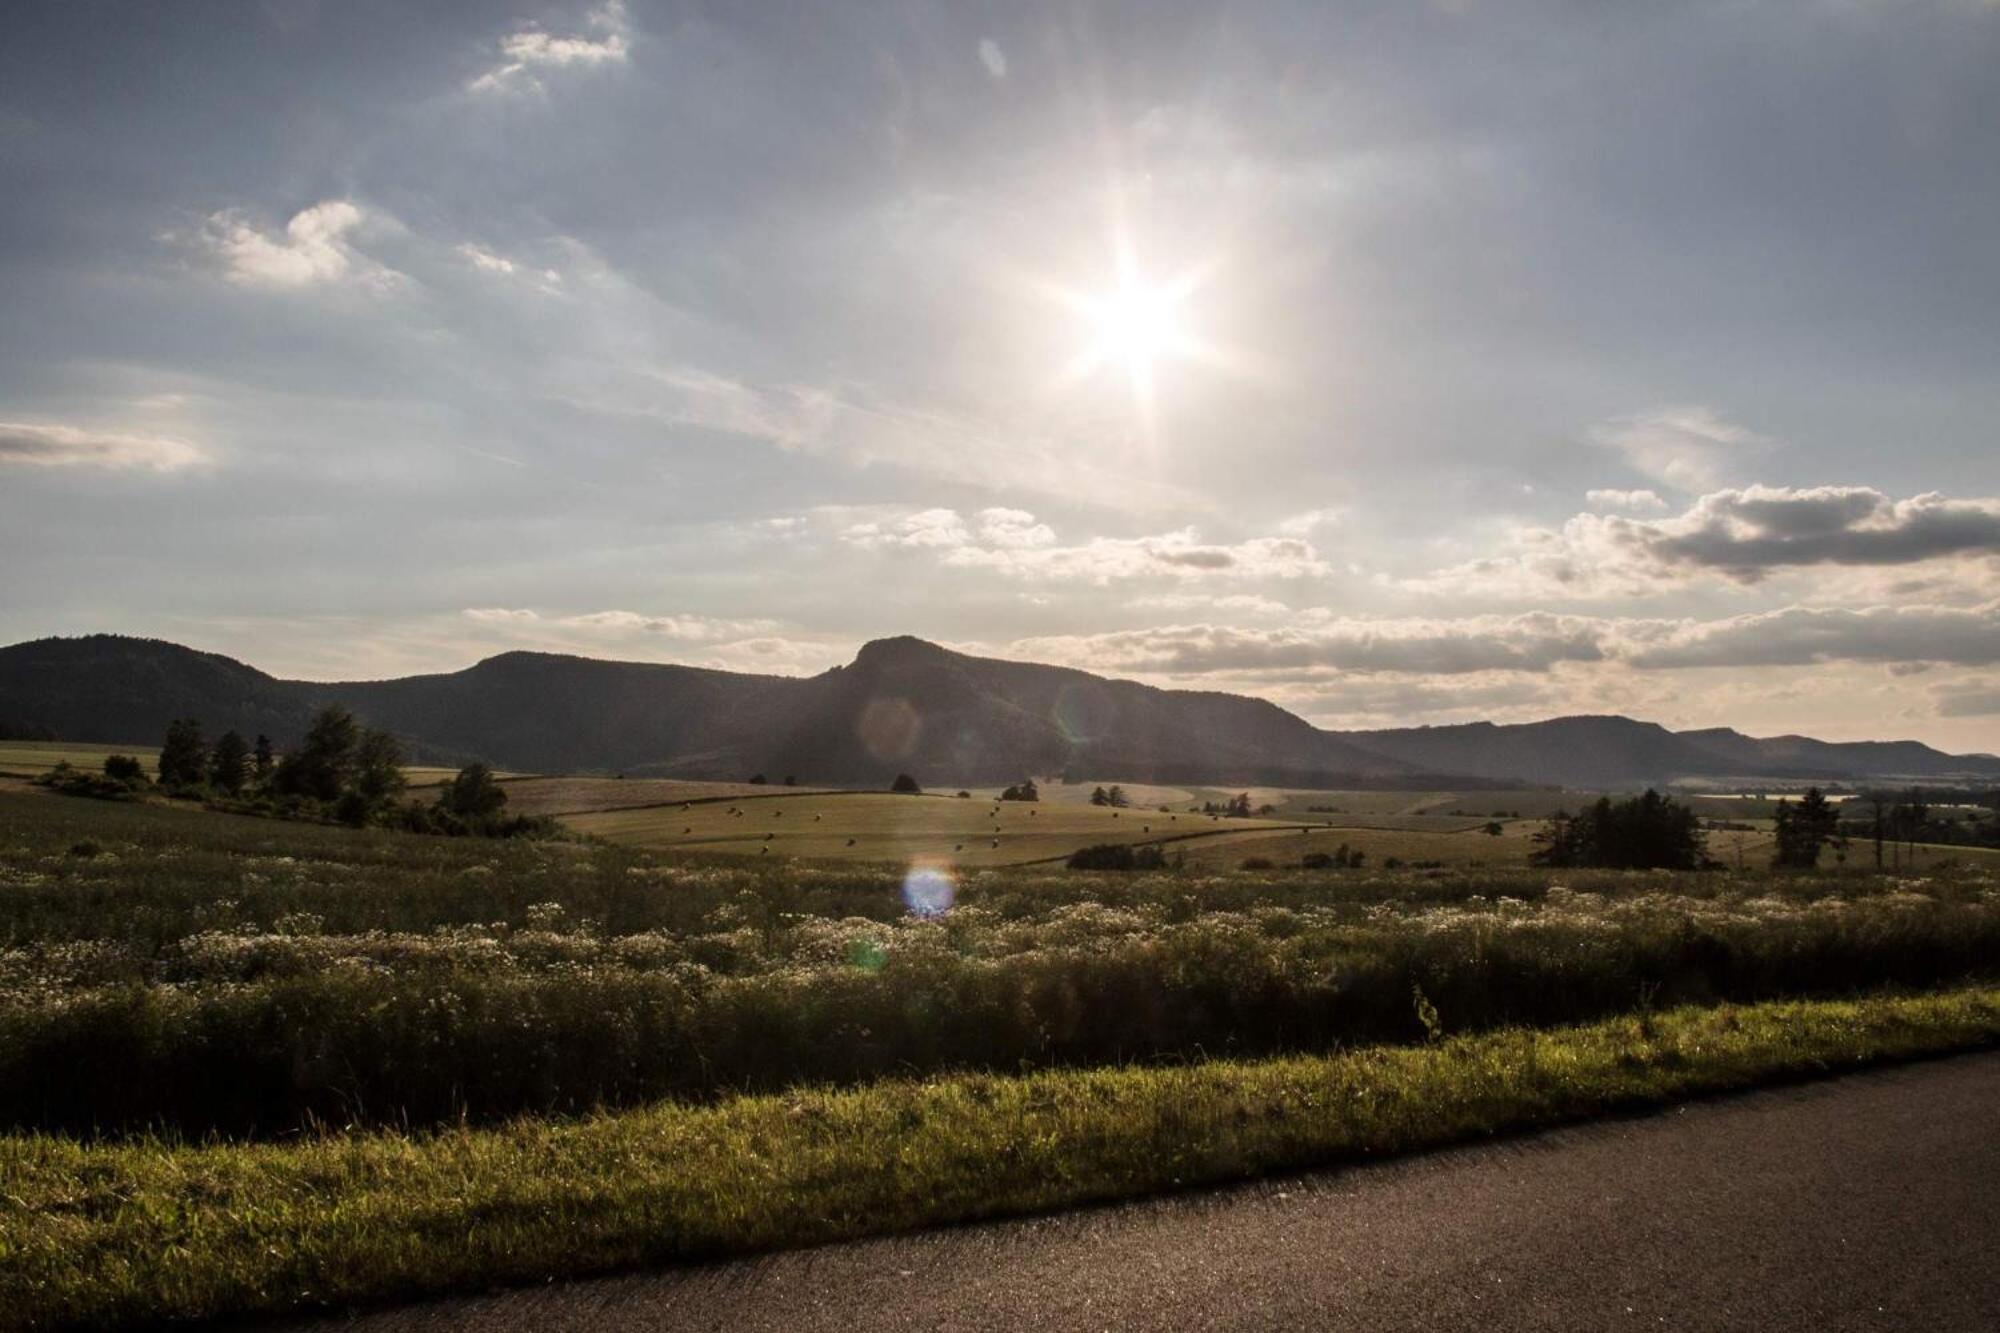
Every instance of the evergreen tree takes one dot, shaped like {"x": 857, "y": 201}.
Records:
{"x": 183, "y": 755}
{"x": 229, "y": 764}
{"x": 320, "y": 768}
{"x": 906, "y": 784}
{"x": 1100, "y": 797}
{"x": 1649, "y": 832}
{"x": 1803, "y": 829}
{"x": 264, "y": 760}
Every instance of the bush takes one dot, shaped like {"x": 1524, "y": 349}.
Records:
{"x": 123, "y": 768}
{"x": 1117, "y": 856}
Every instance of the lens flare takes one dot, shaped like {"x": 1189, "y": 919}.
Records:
{"x": 929, "y": 890}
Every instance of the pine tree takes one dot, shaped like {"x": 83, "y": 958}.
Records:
{"x": 183, "y": 755}
{"x": 229, "y": 764}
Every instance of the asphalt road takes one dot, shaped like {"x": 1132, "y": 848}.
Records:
{"x": 1868, "y": 1202}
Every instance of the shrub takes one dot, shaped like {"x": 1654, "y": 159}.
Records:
{"x": 1117, "y": 856}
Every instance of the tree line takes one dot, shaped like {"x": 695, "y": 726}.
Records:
{"x": 340, "y": 771}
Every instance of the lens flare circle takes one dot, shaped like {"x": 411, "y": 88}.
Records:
{"x": 929, "y": 891}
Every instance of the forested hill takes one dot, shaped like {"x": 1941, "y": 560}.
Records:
{"x": 902, "y": 705}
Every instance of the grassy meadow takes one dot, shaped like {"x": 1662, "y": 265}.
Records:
{"x": 251, "y": 1065}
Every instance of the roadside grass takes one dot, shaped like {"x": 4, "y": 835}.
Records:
{"x": 138, "y": 1233}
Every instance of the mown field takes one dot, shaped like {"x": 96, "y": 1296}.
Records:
{"x": 251, "y": 1065}
{"x": 27, "y": 759}
{"x": 882, "y": 826}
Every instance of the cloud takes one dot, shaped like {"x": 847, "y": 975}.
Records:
{"x": 1803, "y": 636}
{"x": 926, "y": 527}
{"x": 1013, "y": 529}
{"x": 312, "y": 249}
{"x": 1967, "y": 698}
{"x": 1749, "y": 532}
{"x": 1630, "y": 501}
{"x": 529, "y": 49}
{"x": 1302, "y": 525}
{"x": 1688, "y": 448}
{"x": 1176, "y": 555}
{"x": 991, "y": 56}
{"x": 1528, "y": 643}
{"x": 688, "y": 628}
{"x": 488, "y": 261}
{"x": 1742, "y": 536}
{"x": 36, "y": 445}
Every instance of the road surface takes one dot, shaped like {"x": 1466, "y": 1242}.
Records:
{"x": 1867, "y": 1202}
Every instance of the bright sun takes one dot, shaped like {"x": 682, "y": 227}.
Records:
{"x": 1134, "y": 325}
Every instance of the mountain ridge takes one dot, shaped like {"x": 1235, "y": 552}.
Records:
{"x": 902, "y": 704}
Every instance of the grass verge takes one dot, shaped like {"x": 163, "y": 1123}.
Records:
{"x": 135, "y": 1233}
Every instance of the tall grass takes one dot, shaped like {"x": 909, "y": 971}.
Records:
{"x": 136, "y": 1233}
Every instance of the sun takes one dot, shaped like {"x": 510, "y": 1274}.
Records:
{"x": 1134, "y": 325}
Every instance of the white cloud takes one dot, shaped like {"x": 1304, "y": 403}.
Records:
{"x": 1530, "y": 643}
{"x": 1689, "y": 448}
{"x": 991, "y": 56}
{"x": 312, "y": 249}
{"x": 1013, "y": 529}
{"x": 529, "y": 49}
{"x": 1303, "y": 525}
{"x": 688, "y": 628}
{"x": 926, "y": 527}
{"x": 1635, "y": 502}
{"x": 1176, "y": 555}
{"x": 32, "y": 444}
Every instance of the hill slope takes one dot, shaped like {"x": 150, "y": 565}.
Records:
{"x": 901, "y": 705}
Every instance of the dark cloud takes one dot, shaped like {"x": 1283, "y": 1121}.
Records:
{"x": 1748, "y": 533}
{"x": 1801, "y": 636}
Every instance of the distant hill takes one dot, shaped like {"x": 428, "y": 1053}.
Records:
{"x": 1612, "y": 751}
{"x": 902, "y": 705}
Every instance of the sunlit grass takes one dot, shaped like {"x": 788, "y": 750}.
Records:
{"x": 132, "y": 1233}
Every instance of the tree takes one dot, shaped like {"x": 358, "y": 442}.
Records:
{"x": 473, "y": 795}
{"x": 1803, "y": 829}
{"x": 263, "y": 760}
{"x": 1493, "y": 828}
{"x": 324, "y": 761}
{"x": 1117, "y": 798}
{"x": 1649, "y": 832}
{"x": 229, "y": 764}
{"x": 126, "y": 771}
{"x": 1238, "y": 806}
{"x": 1025, "y": 791}
{"x": 183, "y": 755}
{"x": 378, "y": 769}
{"x": 758, "y": 779}
{"x": 906, "y": 784}
{"x": 1100, "y": 797}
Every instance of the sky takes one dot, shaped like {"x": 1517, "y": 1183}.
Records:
{"x": 1402, "y": 363}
